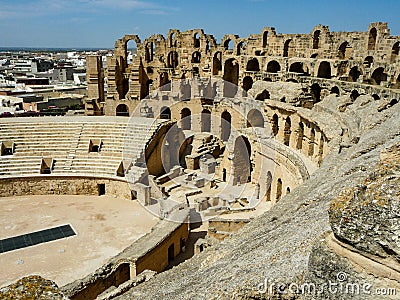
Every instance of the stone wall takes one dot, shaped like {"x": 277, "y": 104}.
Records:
{"x": 63, "y": 185}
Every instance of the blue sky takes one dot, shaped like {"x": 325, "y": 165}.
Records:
{"x": 98, "y": 23}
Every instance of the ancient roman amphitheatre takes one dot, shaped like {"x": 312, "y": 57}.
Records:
{"x": 237, "y": 169}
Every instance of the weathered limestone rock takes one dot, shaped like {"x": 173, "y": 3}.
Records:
{"x": 32, "y": 287}
{"x": 368, "y": 216}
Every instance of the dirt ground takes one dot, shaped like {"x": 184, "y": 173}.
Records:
{"x": 104, "y": 225}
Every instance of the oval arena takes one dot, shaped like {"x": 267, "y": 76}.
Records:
{"x": 190, "y": 141}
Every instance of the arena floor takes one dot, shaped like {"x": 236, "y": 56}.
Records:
{"x": 104, "y": 226}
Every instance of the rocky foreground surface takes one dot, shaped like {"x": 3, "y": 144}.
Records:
{"x": 290, "y": 248}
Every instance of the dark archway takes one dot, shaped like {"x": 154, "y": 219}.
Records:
{"x": 122, "y": 110}
{"x": 217, "y": 63}
{"x": 324, "y": 70}
{"x": 278, "y": 189}
{"x": 378, "y": 76}
{"x": 311, "y": 143}
{"x": 316, "y": 92}
{"x": 196, "y": 40}
{"x": 273, "y": 67}
{"x": 231, "y": 74}
{"x": 287, "y": 131}
{"x": 265, "y": 39}
{"x": 255, "y": 119}
{"x": 242, "y": 166}
{"x": 372, "y": 38}
{"x": 275, "y": 124}
{"x": 354, "y": 74}
{"x": 229, "y": 44}
{"x": 196, "y": 57}
{"x": 205, "y": 121}
{"x": 335, "y": 90}
{"x": 131, "y": 51}
{"x": 263, "y": 95}
{"x": 173, "y": 59}
{"x": 287, "y": 48}
{"x": 165, "y": 113}
{"x": 316, "y": 39}
{"x": 395, "y": 52}
{"x": 225, "y": 125}
{"x": 343, "y": 52}
{"x": 368, "y": 61}
{"x": 164, "y": 82}
{"x": 300, "y": 136}
{"x": 253, "y": 65}
{"x": 298, "y": 67}
{"x": 354, "y": 95}
{"x": 247, "y": 83}
{"x": 186, "y": 119}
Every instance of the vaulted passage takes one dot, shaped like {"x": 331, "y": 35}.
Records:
{"x": 186, "y": 121}
{"x": 247, "y": 83}
{"x": 255, "y": 119}
{"x": 231, "y": 75}
{"x": 273, "y": 66}
{"x": 372, "y": 39}
{"x": 378, "y": 76}
{"x": 298, "y": 67}
{"x": 205, "y": 121}
{"x": 287, "y": 131}
{"x": 324, "y": 70}
{"x": 122, "y": 110}
{"x": 354, "y": 74}
{"x": 225, "y": 125}
{"x": 395, "y": 52}
{"x": 242, "y": 167}
{"x": 253, "y": 65}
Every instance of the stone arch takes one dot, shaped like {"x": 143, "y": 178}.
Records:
{"x": 354, "y": 73}
{"x": 255, "y": 118}
{"x": 231, "y": 74}
{"x": 205, "y": 120}
{"x": 397, "y": 84}
{"x": 173, "y": 59}
{"x": 287, "y": 131}
{"x": 275, "y": 124}
{"x": 298, "y": 67}
{"x": 247, "y": 83}
{"x": 316, "y": 37}
{"x": 122, "y": 110}
{"x": 148, "y": 54}
{"x": 242, "y": 166}
{"x": 335, "y": 90}
{"x": 376, "y": 97}
{"x": 273, "y": 66}
{"x": 186, "y": 119}
{"x": 372, "y": 38}
{"x": 324, "y": 70}
{"x": 368, "y": 61}
{"x": 287, "y": 48}
{"x": 240, "y": 49}
{"x": 314, "y": 55}
{"x": 344, "y": 51}
{"x": 164, "y": 81}
{"x": 217, "y": 63}
{"x": 316, "y": 92}
{"x": 300, "y": 136}
{"x": 226, "y": 119}
{"x": 278, "y": 189}
{"x": 229, "y": 44}
{"x": 287, "y": 190}
{"x": 378, "y": 76}
{"x": 196, "y": 40}
{"x": 253, "y": 65}
{"x": 354, "y": 95}
{"x": 311, "y": 143}
{"x": 265, "y": 39}
{"x": 268, "y": 186}
{"x": 196, "y": 57}
{"x": 165, "y": 113}
{"x": 263, "y": 95}
{"x": 131, "y": 47}
{"x": 172, "y": 40}
{"x": 395, "y": 52}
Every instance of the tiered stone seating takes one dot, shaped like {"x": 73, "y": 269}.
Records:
{"x": 66, "y": 140}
